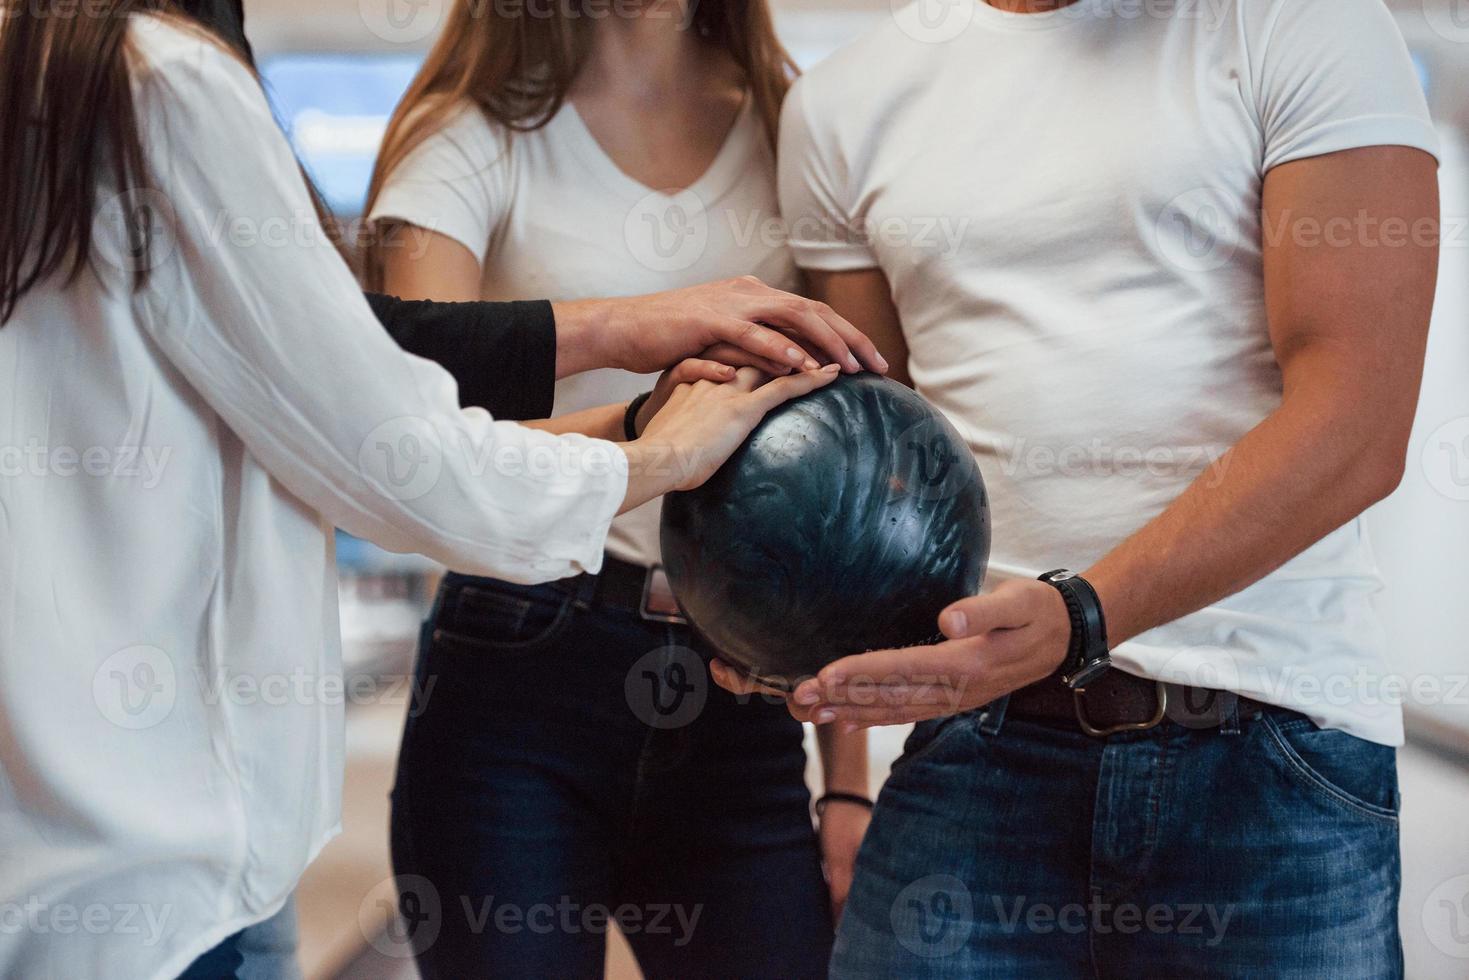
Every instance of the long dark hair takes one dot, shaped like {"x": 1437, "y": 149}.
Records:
{"x": 517, "y": 64}
{"x": 66, "y": 120}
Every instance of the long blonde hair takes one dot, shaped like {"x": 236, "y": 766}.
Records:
{"x": 517, "y": 65}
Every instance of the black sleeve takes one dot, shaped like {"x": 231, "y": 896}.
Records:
{"x": 502, "y": 354}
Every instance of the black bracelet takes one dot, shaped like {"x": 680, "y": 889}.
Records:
{"x": 630, "y": 417}
{"x": 861, "y": 801}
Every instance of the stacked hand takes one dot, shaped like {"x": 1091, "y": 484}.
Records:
{"x": 703, "y": 422}
{"x": 997, "y": 643}
{"x": 736, "y": 322}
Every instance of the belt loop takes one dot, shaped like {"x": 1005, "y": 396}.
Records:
{"x": 992, "y": 716}
{"x": 1228, "y": 712}
{"x": 586, "y": 591}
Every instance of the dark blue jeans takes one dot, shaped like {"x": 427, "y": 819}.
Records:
{"x": 1005, "y": 848}
{"x": 223, "y": 962}
{"x": 563, "y": 766}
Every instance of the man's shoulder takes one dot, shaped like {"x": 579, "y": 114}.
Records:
{"x": 871, "y": 69}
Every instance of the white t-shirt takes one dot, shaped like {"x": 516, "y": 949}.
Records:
{"x": 549, "y": 215}
{"x": 1067, "y": 208}
{"x": 172, "y": 462}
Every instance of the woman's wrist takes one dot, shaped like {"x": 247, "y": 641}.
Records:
{"x": 649, "y": 474}
{"x": 635, "y": 418}
{"x": 833, "y": 798}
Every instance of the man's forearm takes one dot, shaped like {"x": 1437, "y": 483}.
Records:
{"x": 581, "y": 326}
{"x": 1308, "y": 468}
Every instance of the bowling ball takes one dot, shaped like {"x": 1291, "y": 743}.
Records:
{"x": 846, "y": 522}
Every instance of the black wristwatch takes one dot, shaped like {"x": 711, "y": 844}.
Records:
{"x": 1087, "y": 658}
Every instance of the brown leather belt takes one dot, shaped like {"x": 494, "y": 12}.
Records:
{"x": 632, "y": 588}
{"x": 1119, "y": 702}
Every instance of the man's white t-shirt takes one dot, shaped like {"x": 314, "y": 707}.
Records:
{"x": 1067, "y": 208}
{"x": 548, "y": 214}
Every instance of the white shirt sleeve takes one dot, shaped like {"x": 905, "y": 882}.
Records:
{"x": 1335, "y": 75}
{"x": 453, "y": 183}
{"x": 813, "y": 184}
{"x": 260, "y": 315}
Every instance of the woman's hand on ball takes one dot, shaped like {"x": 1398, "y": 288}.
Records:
{"x": 702, "y": 423}
{"x": 998, "y": 643}
{"x": 685, "y": 372}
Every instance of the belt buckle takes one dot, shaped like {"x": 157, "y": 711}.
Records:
{"x": 659, "y": 603}
{"x": 1131, "y": 726}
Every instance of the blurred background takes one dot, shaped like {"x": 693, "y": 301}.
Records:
{"x": 336, "y": 68}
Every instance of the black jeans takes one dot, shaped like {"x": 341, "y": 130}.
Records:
{"x": 565, "y": 764}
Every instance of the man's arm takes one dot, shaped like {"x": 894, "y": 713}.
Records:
{"x": 1349, "y": 324}
{"x": 864, "y": 297}
{"x": 1348, "y": 317}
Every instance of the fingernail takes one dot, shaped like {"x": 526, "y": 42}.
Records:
{"x": 956, "y": 624}
{"x": 727, "y": 371}
{"x": 825, "y": 715}
{"x": 796, "y": 356}
{"x": 810, "y": 365}
{"x": 807, "y": 696}
{"x": 851, "y": 728}
{"x": 853, "y": 363}
{"x": 882, "y": 363}
{"x": 831, "y": 368}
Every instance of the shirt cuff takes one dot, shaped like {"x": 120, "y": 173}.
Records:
{"x": 832, "y": 256}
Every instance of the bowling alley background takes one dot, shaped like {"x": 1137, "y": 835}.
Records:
{"x": 335, "y": 69}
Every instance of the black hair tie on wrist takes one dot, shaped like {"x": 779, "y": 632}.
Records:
{"x": 630, "y": 417}
{"x": 829, "y": 798}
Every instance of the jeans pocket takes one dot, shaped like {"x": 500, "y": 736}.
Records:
{"x": 928, "y": 735}
{"x": 1359, "y": 776}
{"x": 500, "y": 618}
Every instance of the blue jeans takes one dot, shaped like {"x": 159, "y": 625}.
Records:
{"x": 566, "y": 764}
{"x": 264, "y": 951}
{"x": 220, "y": 963}
{"x": 269, "y": 948}
{"x": 1007, "y": 848}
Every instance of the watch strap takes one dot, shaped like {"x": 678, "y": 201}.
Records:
{"x": 1087, "y": 654}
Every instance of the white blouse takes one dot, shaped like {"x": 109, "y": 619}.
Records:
{"x": 172, "y": 462}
